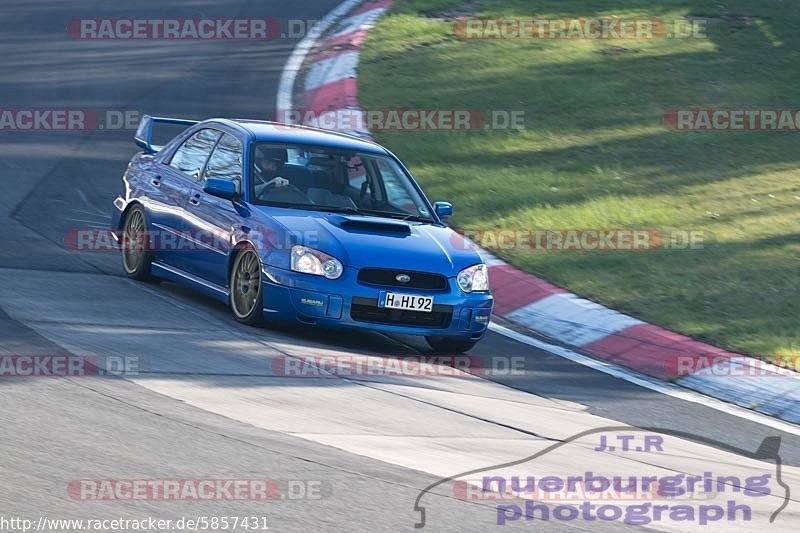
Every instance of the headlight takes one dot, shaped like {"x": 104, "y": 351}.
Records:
{"x": 310, "y": 261}
{"x": 474, "y": 278}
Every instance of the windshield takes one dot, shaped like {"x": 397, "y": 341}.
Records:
{"x": 320, "y": 178}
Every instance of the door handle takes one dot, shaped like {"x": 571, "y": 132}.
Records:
{"x": 156, "y": 181}
{"x": 195, "y": 199}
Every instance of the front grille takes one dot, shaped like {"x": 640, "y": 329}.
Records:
{"x": 367, "y": 310}
{"x": 387, "y": 278}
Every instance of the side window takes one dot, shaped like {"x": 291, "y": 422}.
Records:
{"x": 191, "y": 157}
{"x": 226, "y": 161}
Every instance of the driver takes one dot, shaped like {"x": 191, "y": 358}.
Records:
{"x": 269, "y": 162}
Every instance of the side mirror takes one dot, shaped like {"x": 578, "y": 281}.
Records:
{"x": 444, "y": 210}
{"x": 220, "y": 188}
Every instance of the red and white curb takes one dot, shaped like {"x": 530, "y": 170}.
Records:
{"x": 330, "y": 86}
{"x": 646, "y": 348}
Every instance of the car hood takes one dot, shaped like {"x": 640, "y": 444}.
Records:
{"x": 364, "y": 241}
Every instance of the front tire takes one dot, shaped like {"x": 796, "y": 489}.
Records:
{"x": 246, "y": 288}
{"x": 449, "y": 346}
{"x": 137, "y": 258}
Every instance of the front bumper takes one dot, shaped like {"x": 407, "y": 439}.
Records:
{"x": 347, "y": 303}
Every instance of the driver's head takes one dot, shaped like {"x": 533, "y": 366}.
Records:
{"x": 270, "y": 159}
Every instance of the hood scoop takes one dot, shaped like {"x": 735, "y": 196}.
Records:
{"x": 369, "y": 225}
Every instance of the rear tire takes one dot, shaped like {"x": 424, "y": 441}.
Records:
{"x": 448, "y": 346}
{"x": 137, "y": 258}
{"x": 246, "y": 288}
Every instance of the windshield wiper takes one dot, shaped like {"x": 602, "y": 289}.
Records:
{"x": 417, "y": 218}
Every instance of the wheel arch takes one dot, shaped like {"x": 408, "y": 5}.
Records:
{"x": 238, "y": 248}
{"x": 124, "y": 217}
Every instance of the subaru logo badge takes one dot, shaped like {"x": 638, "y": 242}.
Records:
{"x": 403, "y": 278}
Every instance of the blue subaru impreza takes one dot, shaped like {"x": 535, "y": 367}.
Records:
{"x": 294, "y": 224}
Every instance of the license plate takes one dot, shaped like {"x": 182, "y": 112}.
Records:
{"x": 407, "y": 302}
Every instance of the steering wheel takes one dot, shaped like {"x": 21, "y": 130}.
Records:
{"x": 272, "y": 187}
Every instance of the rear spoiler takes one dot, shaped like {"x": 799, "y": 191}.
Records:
{"x": 144, "y": 133}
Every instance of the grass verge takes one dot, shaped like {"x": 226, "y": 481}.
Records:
{"x": 595, "y": 152}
